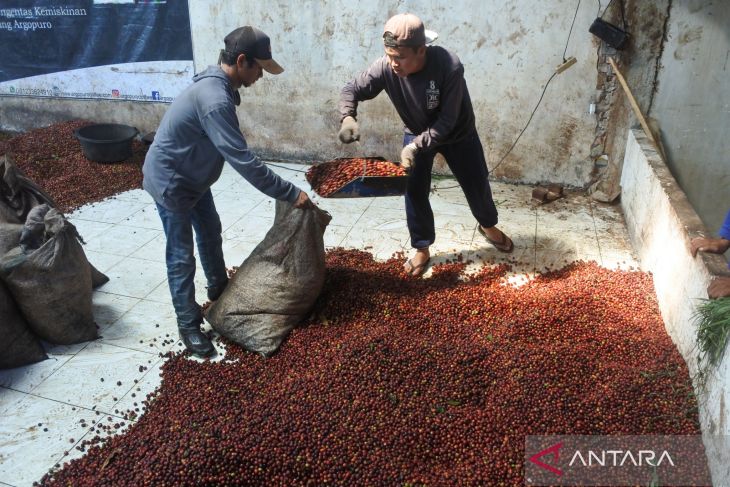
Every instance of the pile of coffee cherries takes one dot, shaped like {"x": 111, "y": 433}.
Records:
{"x": 52, "y": 158}
{"x": 328, "y": 177}
{"x": 396, "y": 380}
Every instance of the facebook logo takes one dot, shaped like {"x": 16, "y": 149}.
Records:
{"x": 155, "y": 95}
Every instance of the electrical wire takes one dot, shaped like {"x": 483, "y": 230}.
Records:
{"x": 542, "y": 95}
{"x": 571, "y": 30}
{"x": 621, "y": 10}
{"x": 528, "y": 121}
{"x": 606, "y": 9}
{"x": 284, "y": 167}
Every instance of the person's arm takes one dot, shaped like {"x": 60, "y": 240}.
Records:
{"x": 713, "y": 245}
{"x": 365, "y": 86}
{"x": 452, "y": 94}
{"x": 221, "y": 126}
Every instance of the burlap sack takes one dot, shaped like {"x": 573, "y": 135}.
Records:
{"x": 18, "y": 194}
{"x": 18, "y": 346}
{"x": 52, "y": 284}
{"x": 276, "y": 286}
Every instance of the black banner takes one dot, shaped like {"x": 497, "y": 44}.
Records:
{"x": 46, "y": 36}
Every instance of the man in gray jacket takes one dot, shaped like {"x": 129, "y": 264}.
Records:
{"x": 427, "y": 88}
{"x": 198, "y": 132}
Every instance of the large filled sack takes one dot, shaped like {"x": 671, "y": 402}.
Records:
{"x": 276, "y": 286}
{"x": 18, "y": 194}
{"x": 51, "y": 279}
{"x": 18, "y": 346}
{"x": 9, "y": 236}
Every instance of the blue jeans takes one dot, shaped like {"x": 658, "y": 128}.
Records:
{"x": 467, "y": 163}
{"x": 180, "y": 258}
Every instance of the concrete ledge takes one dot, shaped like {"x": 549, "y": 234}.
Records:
{"x": 661, "y": 222}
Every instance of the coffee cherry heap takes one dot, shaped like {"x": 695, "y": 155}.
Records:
{"x": 52, "y": 158}
{"x": 328, "y": 177}
{"x": 396, "y": 380}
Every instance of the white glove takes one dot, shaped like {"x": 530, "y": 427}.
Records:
{"x": 408, "y": 156}
{"x": 349, "y": 130}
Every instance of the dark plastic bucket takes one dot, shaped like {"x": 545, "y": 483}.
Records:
{"x": 106, "y": 142}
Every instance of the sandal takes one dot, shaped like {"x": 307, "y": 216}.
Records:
{"x": 504, "y": 245}
{"x": 415, "y": 270}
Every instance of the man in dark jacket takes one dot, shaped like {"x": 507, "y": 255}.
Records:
{"x": 427, "y": 87}
{"x": 198, "y": 132}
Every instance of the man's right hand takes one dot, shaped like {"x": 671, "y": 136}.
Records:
{"x": 349, "y": 131}
{"x": 712, "y": 245}
{"x": 303, "y": 201}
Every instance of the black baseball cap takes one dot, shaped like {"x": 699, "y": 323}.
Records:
{"x": 254, "y": 44}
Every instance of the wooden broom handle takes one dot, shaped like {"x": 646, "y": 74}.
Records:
{"x": 635, "y": 107}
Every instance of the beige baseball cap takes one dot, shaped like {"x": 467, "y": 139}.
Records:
{"x": 406, "y": 30}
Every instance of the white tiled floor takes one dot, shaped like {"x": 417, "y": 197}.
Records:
{"x": 124, "y": 240}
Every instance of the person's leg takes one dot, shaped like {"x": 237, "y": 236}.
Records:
{"x": 180, "y": 275}
{"x": 467, "y": 163}
{"x": 419, "y": 215}
{"x": 207, "y": 225}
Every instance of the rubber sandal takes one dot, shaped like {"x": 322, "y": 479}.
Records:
{"x": 415, "y": 270}
{"x": 505, "y": 245}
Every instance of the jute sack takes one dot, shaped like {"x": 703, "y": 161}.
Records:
{"x": 18, "y": 346}
{"x": 18, "y": 194}
{"x": 276, "y": 286}
{"x": 52, "y": 284}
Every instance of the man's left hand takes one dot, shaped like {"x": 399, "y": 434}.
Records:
{"x": 408, "y": 156}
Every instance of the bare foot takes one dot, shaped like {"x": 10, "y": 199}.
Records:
{"x": 417, "y": 264}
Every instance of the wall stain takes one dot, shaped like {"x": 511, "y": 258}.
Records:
{"x": 690, "y": 35}
{"x": 687, "y": 35}
{"x": 516, "y": 36}
{"x": 328, "y": 29}
{"x": 564, "y": 143}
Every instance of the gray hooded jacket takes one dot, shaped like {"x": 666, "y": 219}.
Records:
{"x": 198, "y": 132}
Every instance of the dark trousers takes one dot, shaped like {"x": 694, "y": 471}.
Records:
{"x": 467, "y": 163}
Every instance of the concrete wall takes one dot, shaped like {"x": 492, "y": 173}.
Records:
{"x": 509, "y": 50}
{"x": 661, "y": 222}
{"x": 692, "y": 104}
{"x": 20, "y": 114}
